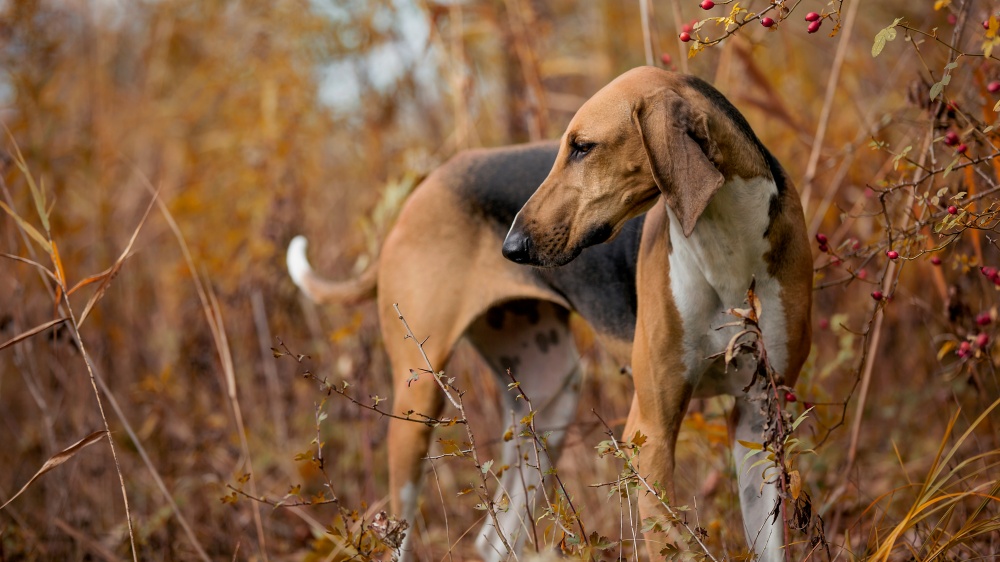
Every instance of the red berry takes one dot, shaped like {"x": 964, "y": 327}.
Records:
{"x": 951, "y": 138}
{"x": 808, "y": 405}
{"x": 665, "y": 59}
{"x": 993, "y": 87}
{"x": 821, "y": 238}
{"x": 766, "y": 22}
{"x": 824, "y": 323}
{"x": 856, "y": 245}
{"x": 952, "y": 19}
{"x": 936, "y": 260}
{"x": 836, "y": 261}
{"x": 685, "y": 36}
{"x": 812, "y": 16}
{"x": 989, "y": 272}
{"x": 823, "y": 248}
{"x": 687, "y": 27}
{"x": 877, "y": 295}
{"x": 892, "y": 254}
{"x": 984, "y": 319}
{"x": 961, "y": 148}
{"x": 707, "y": 4}
{"x": 952, "y": 210}
{"x": 863, "y": 274}
{"x": 790, "y": 397}
{"x": 986, "y": 24}
{"x": 814, "y": 26}
{"x": 964, "y": 349}
{"x": 982, "y": 339}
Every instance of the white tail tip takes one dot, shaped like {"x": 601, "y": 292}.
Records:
{"x": 298, "y": 263}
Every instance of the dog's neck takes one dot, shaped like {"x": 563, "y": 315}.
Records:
{"x": 711, "y": 270}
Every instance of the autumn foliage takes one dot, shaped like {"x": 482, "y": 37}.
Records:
{"x": 158, "y": 156}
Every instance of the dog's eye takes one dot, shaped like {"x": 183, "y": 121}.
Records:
{"x": 578, "y": 149}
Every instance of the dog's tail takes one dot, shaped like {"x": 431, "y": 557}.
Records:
{"x": 322, "y": 290}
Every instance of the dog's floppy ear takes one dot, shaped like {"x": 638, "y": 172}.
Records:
{"x": 681, "y": 154}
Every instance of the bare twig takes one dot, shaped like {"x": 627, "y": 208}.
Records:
{"x": 456, "y": 400}
{"x": 634, "y": 472}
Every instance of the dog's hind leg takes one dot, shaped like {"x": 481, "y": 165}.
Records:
{"x": 532, "y": 339}
{"x": 418, "y": 398}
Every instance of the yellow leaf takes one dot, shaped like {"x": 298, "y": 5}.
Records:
{"x": 945, "y": 348}
{"x": 795, "y": 484}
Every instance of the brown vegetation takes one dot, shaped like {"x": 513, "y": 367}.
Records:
{"x": 161, "y": 154}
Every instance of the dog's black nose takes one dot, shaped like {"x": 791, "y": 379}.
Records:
{"x": 517, "y": 247}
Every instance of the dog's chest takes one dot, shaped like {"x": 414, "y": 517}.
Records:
{"x": 710, "y": 272}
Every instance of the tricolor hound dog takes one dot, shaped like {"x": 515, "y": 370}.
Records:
{"x": 441, "y": 262}
{"x": 721, "y": 212}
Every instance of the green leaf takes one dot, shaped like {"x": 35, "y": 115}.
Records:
{"x": 936, "y": 90}
{"x": 949, "y": 167}
{"x": 884, "y": 36}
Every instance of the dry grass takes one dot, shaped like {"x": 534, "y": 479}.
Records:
{"x": 218, "y": 109}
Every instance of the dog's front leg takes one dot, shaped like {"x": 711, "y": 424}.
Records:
{"x": 762, "y": 524}
{"x": 658, "y": 407}
{"x": 662, "y": 389}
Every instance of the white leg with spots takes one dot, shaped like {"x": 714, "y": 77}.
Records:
{"x": 764, "y": 531}
{"x": 538, "y": 348}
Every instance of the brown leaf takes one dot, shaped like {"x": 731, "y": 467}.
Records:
{"x": 638, "y": 439}
{"x": 31, "y": 332}
{"x": 88, "y": 280}
{"x": 753, "y": 301}
{"x": 59, "y": 458}
{"x": 107, "y": 275}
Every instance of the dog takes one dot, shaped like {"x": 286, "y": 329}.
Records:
{"x": 442, "y": 263}
{"x": 721, "y": 213}
{"x": 650, "y": 136}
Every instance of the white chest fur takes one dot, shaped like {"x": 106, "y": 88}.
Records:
{"x": 710, "y": 272}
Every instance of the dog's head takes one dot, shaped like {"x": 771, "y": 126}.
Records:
{"x": 648, "y": 133}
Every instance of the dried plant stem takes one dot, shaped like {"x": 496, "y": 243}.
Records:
{"x": 66, "y": 309}
{"x": 460, "y": 105}
{"x": 214, "y": 316}
{"x": 631, "y": 467}
{"x": 647, "y": 40}
{"x": 100, "y": 405}
{"x": 188, "y": 531}
{"x": 270, "y": 371}
{"x": 831, "y": 90}
{"x": 675, "y": 10}
{"x": 539, "y": 448}
{"x": 874, "y": 338}
{"x": 519, "y": 24}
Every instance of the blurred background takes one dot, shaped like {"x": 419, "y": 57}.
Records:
{"x": 255, "y": 121}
